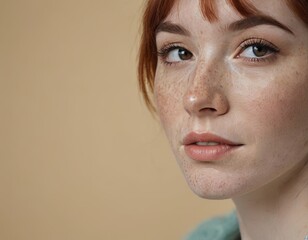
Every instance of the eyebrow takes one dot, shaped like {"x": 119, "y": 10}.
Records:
{"x": 171, "y": 28}
{"x": 241, "y": 24}
{"x": 256, "y": 20}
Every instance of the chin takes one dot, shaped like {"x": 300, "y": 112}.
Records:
{"x": 215, "y": 185}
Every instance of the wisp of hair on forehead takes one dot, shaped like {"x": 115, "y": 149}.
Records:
{"x": 209, "y": 8}
{"x": 157, "y": 10}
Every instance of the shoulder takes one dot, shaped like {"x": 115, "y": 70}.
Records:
{"x": 219, "y": 228}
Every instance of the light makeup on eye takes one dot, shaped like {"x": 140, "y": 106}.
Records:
{"x": 174, "y": 53}
{"x": 257, "y": 50}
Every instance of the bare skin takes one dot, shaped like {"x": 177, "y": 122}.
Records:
{"x": 248, "y": 85}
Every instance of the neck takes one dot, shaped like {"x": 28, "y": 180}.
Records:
{"x": 278, "y": 210}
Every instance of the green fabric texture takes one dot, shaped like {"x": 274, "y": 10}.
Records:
{"x": 219, "y": 228}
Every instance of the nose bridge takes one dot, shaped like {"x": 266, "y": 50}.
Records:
{"x": 205, "y": 92}
{"x": 204, "y": 79}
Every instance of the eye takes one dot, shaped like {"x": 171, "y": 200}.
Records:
{"x": 174, "y": 54}
{"x": 179, "y": 54}
{"x": 257, "y": 50}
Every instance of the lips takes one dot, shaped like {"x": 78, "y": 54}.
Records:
{"x": 208, "y": 146}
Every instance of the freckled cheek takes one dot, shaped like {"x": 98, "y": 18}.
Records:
{"x": 168, "y": 97}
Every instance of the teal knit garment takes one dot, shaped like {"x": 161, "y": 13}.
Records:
{"x": 219, "y": 228}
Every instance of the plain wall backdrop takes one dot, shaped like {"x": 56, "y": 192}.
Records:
{"x": 80, "y": 156}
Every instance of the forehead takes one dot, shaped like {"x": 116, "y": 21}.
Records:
{"x": 189, "y": 12}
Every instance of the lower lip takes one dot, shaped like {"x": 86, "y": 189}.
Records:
{"x": 208, "y": 153}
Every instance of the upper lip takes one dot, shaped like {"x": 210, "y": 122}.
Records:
{"x": 194, "y": 137}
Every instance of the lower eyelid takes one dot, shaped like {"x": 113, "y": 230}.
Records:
{"x": 269, "y": 59}
{"x": 270, "y": 51}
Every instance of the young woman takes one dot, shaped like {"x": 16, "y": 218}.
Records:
{"x": 230, "y": 85}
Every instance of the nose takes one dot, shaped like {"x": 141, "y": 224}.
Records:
{"x": 205, "y": 94}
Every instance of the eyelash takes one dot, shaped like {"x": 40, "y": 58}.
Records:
{"x": 165, "y": 50}
{"x": 262, "y": 43}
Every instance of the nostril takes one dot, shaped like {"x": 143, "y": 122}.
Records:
{"x": 208, "y": 109}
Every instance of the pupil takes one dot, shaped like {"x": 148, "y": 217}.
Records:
{"x": 259, "y": 50}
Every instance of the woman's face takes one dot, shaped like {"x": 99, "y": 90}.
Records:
{"x": 233, "y": 96}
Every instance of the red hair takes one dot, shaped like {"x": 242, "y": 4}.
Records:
{"x": 157, "y": 10}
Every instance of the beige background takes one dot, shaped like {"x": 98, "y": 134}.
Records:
{"x": 80, "y": 156}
